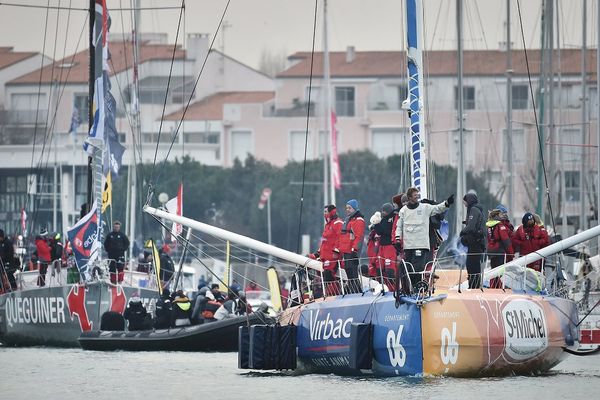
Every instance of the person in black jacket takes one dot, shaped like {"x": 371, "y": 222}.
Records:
{"x": 136, "y": 315}
{"x": 162, "y": 312}
{"x": 387, "y": 253}
{"x": 473, "y": 237}
{"x": 7, "y": 255}
{"x": 116, "y": 244}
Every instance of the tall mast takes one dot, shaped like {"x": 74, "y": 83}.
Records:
{"x": 328, "y": 171}
{"x": 461, "y": 176}
{"x": 414, "y": 35}
{"x": 92, "y": 59}
{"x": 563, "y": 194}
{"x": 509, "y": 136}
{"x": 542, "y": 116}
{"x": 550, "y": 80}
{"x": 582, "y": 221}
{"x": 598, "y": 120}
{"x": 132, "y": 190}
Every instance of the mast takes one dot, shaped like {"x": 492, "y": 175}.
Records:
{"x": 132, "y": 189}
{"x": 328, "y": 187}
{"x": 563, "y": 194}
{"x": 541, "y": 97}
{"x": 92, "y": 59}
{"x": 461, "y": 176}
{"x": 414, "y": 36}
{"x": 550, "y": 80}
{"x": 598, "y": 120}
{"x": 582, "y": 221}
{"x": 509, "y": 135}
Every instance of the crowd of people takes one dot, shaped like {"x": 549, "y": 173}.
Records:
{"x": 407, "y": 229}
{"x": 176, "y": 309}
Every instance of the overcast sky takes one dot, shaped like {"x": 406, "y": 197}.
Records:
{"x": 285, "y": 26}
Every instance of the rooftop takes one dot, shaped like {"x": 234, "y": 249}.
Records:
{"x": 211, "y": 107}
{"x": 437, "y": 63}
{"x": 75, "y": 68}
{"x": 9, "y": 57}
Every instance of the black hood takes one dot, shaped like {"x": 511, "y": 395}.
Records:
{"x": 471, "y": 199}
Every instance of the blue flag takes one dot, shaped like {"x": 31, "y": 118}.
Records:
{"x": 85, "y": 243}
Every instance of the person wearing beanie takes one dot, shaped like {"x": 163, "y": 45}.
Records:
{"x": 499, "y": 242}
{"x": 529, "y": 238}
{"x": 473, "y": 236}
{"x": 351, "y": 240}
{"x": 162, "y": 311}
{"x": 385, "y": 262}
{"x": 412, "y": 231}
{"x": 44, "y": 255}
{"x": 329, "y": 252}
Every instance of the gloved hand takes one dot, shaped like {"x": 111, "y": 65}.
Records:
{"x": 398, "y": 246}
{"x": 450, "y": 200}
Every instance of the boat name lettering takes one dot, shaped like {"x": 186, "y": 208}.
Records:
{"x": 328, "y": 328}
{"x": 525, "y": 329}
{"x": 446, "y": 314}
{"x": 395, "y": 317}
{"x": 35, "y": 310}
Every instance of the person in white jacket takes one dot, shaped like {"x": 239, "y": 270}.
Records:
{"x": 412, "y": 230}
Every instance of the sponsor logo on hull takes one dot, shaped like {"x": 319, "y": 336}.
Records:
{"x": 525, "y": 329}
{"x": 35, "y": 310}
{"x": 328, "y": 328}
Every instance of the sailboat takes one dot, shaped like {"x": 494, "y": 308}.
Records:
{"x": 442, "y": 328}
{"x": 57, "y": 314}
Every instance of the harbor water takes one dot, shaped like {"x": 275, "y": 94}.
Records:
{"x": 62, "y": 374}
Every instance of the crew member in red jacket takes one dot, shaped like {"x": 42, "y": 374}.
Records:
{"x": 350, "y": 243}
{"x": 528, "y": 239}
{"x": 329, "y": 252}
{"x": 499, "y": 241}
{"x": 386, "y": 256}
{"x": 44, "y": 255}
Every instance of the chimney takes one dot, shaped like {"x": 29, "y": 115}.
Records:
{"x": 350, "y": 54}
{"x": 197, "y": 47}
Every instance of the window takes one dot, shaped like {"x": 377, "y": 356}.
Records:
{"x": 468, "y": 97}
{"x": 344, "y": 101}
{"x": 241, "y": 145}
{"x": 520, "y": 97}
{"x": 387, "y": 142}
{"x": 80, "y": 188}
{"x": 518, "y": 148}
{"x": 81, "y": 104}
{"x": 297, "y": 141}
{"x": 572, "y": 185}
{"x": 28, "y": 101}
{"x": 202, "y": 137}
{"x": 570, "y": 139}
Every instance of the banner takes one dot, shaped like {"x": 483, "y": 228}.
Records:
{"x": 156, "y": 265}
{"x": 335, "y": 162}
{"x": 100, "y": 43}
{"x": 84, "y": 241}
{"x": 175, "y": 206}
{"x": 107, "y": 192}
{"x": 264, "y": 198}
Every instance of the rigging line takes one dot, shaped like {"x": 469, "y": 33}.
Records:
{"x": 162, "y": 117}
{"x": 60, "y": 96}
{"x": 312, "y": 57}
{"x": 238, "y": 248}
{"x": 37, "y": 110}
{"x": 49, "y": 7}
{"x": 256, "y": 255}
{"x": 537, "y": 127}
{"x": 190, "y": 98}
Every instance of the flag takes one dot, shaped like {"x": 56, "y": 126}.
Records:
{"x": 75, "y": 122}
{"x": 23, "y": 222}
{"x": 335, "y": 162}
{"x": 107, "y": 192}
{"x": 156, "y": 264}
{"x": 264, "y": 198}
{"x": 114, "y": 156}
{"x": 84, "y": 241}
{"x": 175, "y": 206}
{"x": 100, "y": 43}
